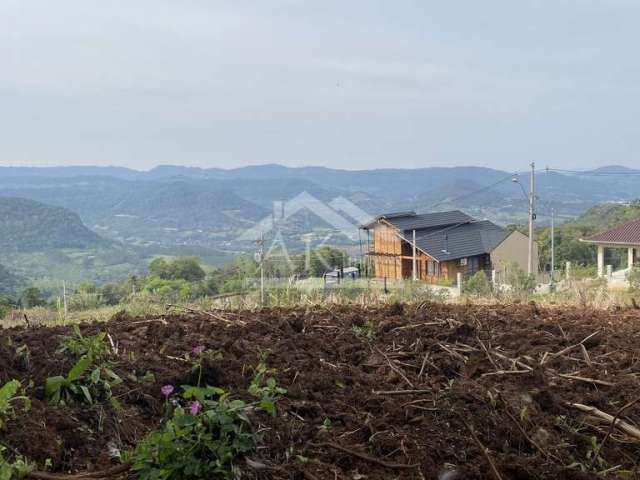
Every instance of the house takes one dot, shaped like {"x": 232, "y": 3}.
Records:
{"x": 349, "y": 273}
{"x": 626, "y": 236}
{"x": 434, "y": 247}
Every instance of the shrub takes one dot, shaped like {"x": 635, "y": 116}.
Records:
{"x": 519, "y": 281}
{"x": 478, "y": 285}
{"x": 633, "y": 277}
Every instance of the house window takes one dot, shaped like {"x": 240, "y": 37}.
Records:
{"x": 463, "y": 262}
{"x": 432, "y": 268}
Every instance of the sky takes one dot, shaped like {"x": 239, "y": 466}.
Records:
{"x": 352, "y": 84}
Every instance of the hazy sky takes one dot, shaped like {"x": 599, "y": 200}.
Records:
{"x": 344, "y": 83}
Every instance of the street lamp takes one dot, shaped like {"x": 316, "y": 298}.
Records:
{"x": 532, "y": 215}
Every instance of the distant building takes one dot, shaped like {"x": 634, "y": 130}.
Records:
{"x": 626, "y": 236}
{"x": 350, "y": 273}
{"x": 445, "y": 243}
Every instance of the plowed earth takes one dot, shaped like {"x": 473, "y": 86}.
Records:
{"x": 397, "y": 392}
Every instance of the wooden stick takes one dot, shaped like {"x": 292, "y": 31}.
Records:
{"x": 400, "y": 392}
{"x": 611, "y": 425}
{"x": 565, "y": 350}
{"x": 585, "y": 379}
{"x": 621, "y": 424}
{"x": 424, "y": 364}
{"x": 514, "y": 360}
{"x": 485, "y": 452}
{"x": 364, "y": 457}
{"x": 395, "y": 369}
{"x": 504, "y": 372}
{"x": 111, "y": 472}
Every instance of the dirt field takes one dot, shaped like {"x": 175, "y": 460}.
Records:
{"x": 397, "y": 392}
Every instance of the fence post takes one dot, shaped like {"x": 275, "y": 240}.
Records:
{"x": 567, "y": 271}
{"x": 459, "y": 281}
{"x": 493, "y": 278}
{"x": 609, "y": 272}
{"x": 385, "y": 285}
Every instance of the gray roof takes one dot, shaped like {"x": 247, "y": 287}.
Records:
{"x": 460, "y": 240}
{"x": 411, "y": 221}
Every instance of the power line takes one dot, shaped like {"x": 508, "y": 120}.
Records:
{"x": 470, "y": 194}
{"x": 593, "y": 172}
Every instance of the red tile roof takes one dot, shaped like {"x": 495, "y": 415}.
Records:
{"x": 627, "y": 233}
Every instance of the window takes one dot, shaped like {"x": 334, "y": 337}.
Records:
{"x": 463, "y": 262}
{"x": 432, "y": 268}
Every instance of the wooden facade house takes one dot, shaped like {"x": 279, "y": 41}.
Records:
{"x": 435, "y": 247}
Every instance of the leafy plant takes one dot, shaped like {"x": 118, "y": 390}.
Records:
{"x": 8, "y": 399}
{"x": 201, "y": 355}
{"x": 366, "y": 331}
{"x": 200, "y": 441}
{"x": 15, "y": 470}
{"x": 83, "y": 384}
{"x": 265, "y": 387}
{"x": 94, "y": 346}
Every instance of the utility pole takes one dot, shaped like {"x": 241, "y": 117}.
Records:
{"x": 261, "y": 257}
{"x": 532, "y": 217}
{"x": 553, "y": 255}
{"x": 64, "y": 297}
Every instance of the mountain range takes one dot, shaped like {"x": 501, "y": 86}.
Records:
{"x": 185, "y": 210}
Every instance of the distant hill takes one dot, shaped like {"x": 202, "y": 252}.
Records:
{"x": 26, "y": 225}
{"x": 172, "y": 208}
{"x": 10, "y": 283}
{"x": 608, "y": 215}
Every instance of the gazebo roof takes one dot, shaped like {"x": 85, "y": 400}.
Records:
{"x": 628, "y": 234}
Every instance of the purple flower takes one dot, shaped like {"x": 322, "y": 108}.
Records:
{"x": 195, "y": 407}
{"x": 167, "y": 390}
{"x": 198, "y": 350}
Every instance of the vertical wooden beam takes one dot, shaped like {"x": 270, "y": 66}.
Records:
{"x": 414, "y": 259}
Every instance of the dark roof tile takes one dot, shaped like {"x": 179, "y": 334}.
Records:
{"x": 430, "y": 220}
{"x": 459, "y": 241}
{"x": 626, "y": 233}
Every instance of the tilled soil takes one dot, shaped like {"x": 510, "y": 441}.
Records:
{"x": 397, "y": 392}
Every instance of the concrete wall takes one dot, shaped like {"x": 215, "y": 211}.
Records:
{"x": 514, "y": 248}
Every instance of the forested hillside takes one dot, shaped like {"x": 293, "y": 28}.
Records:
{"x": 26, "y": 225}
{"x": 10, "y": 283}
{"x": 568, "y": 246}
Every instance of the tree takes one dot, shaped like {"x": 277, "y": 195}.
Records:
{"x": 322, "y": 260}
{"x": 186, "y": 268}
{"x": 112, "y": 294}
{"x": 32, "y": 297}
{"x": 159, "y": 268}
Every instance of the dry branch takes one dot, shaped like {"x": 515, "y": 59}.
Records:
{"x": 551, "y": 356}
{"x": 585, "y": 379}
{"x": 400, "y": 392}
{"x": 621, "y": 424}
{"x": 109, "y": 473}
{"x": 485, "y": 452}
{"x": 364, "y": 456}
